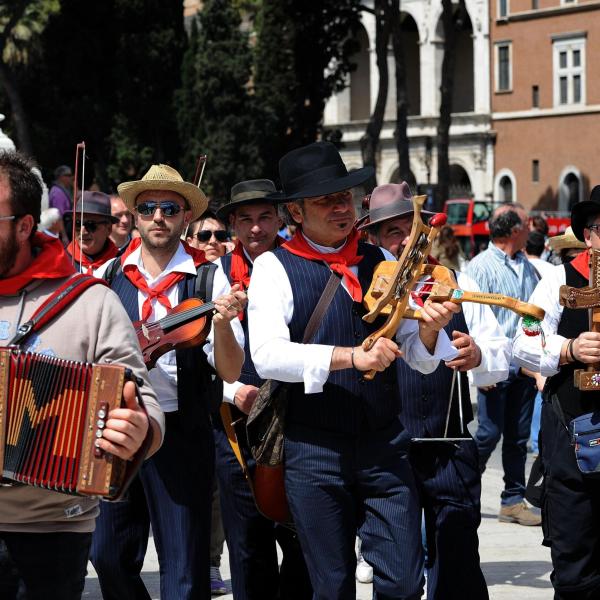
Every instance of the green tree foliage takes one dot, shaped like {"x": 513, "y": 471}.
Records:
{"x": 301, "y": 58}
{"x": 215, "y": 112}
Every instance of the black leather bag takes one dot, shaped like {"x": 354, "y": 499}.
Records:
{"x": 266, "y": 420}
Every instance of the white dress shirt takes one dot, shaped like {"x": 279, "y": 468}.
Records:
{"x": 528, "y": 351}
{"x": 270, "y": 310}
{"x": 164, "y": 375}
{"x": 484, "y": 329}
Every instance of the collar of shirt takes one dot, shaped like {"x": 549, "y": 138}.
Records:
{"x": 247, "y": 255}
{"x": 323, "y": 249}
{"x": 500, "y": 254}
{"x": 181, "y": 262}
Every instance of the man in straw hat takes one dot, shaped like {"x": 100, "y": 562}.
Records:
{"x": 447, "y": 474}
{"x": 252, "y": 538}
{"x": 92, "y": 247}
{"x": 174, "y": 489}
{"x": 571, "y": 504}
{"x": 345, "y": 449}
{"x": 566, "y": 245}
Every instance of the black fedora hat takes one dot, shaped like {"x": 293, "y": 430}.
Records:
{"x": 582, "y": 211}
{"x": 94, "y": 203}
{"x": 253, "y": 191}
{"x": 316, "y": 170}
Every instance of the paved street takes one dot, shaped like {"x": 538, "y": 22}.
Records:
{"x": 514, "y": 563}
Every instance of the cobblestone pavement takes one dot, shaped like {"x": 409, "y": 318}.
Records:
{"x": 514, "y": 562}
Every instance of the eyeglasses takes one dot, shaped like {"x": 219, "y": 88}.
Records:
{"x": 595, "y": 227}
{"x": 206, "y": 234}
{"x": 90, "y": 226}
{"x": 168, "y": 209}
{"x": 8, "y": 218}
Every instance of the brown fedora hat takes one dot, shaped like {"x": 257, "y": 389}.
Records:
{"x": 389, "y": 201}
{"x": 253, "y": 191}
{"x": 163, "y": 177}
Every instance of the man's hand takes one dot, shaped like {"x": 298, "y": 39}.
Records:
{"x": 586, "y": 348}
{"x": 229, "y": 305}
{"x": 245, "y": 397}
{"x": 378, "y": 358}
{"x": 469, "y": 354}
{"x": 126, "y": 428}
{"x": 436, "y": 316}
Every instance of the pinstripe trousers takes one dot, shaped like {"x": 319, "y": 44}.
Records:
{"x": 449, "y": 485}
{"x": 338, "y": 484}
{"x": 173, "y": 492}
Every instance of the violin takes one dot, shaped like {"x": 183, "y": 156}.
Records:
{"x": 186, "y": 325}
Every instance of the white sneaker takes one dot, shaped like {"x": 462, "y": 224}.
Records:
{"x": 364, "y": 571}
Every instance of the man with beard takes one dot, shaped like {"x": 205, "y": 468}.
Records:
{"x": 92, "y": 247}
{"x": 345, "y": 462}
{"x": 48, "y": 534}
{"x": 447, "y": 474}
{"x": 173, "y": 491}
{"x": 251, "y": 538}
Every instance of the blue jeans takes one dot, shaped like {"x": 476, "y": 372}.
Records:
{"x": 535, "y": 423}
{"x": 506, "y": 411}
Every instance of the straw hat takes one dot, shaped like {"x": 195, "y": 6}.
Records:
{"x": 566, "y": 240}
{"x": 163, "y": 177}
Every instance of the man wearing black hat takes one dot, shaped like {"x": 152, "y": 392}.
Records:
{"x": 345, "y": 449}
{"x": 251, "y": 538}
{"x": 571, "y": 502}
{"x": 92, "y": 247}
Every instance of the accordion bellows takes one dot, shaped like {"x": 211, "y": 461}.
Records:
{"x": 51, "y": 413}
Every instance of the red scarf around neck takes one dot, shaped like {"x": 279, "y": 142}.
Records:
{"x": 89, "y": 264}
{"x": 339, "y": 262}
{"x": 50, "y": 261}
{"x": 581, "y": 263}
{"x": 157, "y": 292}
{"x": 240, "y": 271}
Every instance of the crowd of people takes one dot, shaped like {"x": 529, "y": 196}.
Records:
{"x": 383, "y": 463}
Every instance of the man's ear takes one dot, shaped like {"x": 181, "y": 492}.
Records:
{"x": 24, "y": 227}
{"x": 295, "y": 211}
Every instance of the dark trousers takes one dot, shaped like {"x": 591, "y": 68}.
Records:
{"x": 252, "y": 538}
{"x": 506, "y": 411}
{"x": 449, "y": 486}
{"x": 338, "y": 485}
{"x": 52, "y": 565}
{"x": 173, "y": 493}
{"x": 570, "y": 515}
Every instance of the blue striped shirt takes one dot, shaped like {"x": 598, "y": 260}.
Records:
{"x": 493, "y": 272}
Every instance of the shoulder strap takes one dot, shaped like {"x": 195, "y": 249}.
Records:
{"x": 112, "y": 271}
{"x": 54, "y": 305}
{"x": 321, "y": 307}
{"x": 205, "y": 275}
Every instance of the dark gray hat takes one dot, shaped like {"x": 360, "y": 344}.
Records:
{"x": 94, "y": 203}
{"x": 582, "y": 211}
{"x": 253, "y": 191}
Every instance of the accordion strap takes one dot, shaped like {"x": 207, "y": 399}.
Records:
{"x": 54, "y": 305}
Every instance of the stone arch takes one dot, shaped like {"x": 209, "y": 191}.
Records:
{"x": 412, "y": 180}
{"x": 505, "y": 185}
{"x": 570, "y": 188}
{"x": 412, "y": 58}
{"x": 460, "y": 182}
{"x": 360, "y": 79}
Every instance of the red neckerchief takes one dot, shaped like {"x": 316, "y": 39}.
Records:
{"x": 339, "y": 262}
{"x": 581, "y": 263}
{"x": 51, "y": 262}
{"x": 239, "y": 271}
{"x": 427, "y": 286}
{"x": 158, "y": 291}
{"x": 89, "y": 264}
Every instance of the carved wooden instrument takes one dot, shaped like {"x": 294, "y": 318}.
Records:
{"x": 588, "y": 297}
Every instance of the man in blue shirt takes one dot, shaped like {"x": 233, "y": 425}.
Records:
{"x": 506, "y": 409}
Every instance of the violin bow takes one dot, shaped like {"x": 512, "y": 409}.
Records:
{"x": 405, "y": 276}
{"x": 200, "y": 165}
{"x": 79, "y": 150}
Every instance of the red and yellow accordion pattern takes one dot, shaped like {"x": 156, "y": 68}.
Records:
{"x": 52, "y": 411}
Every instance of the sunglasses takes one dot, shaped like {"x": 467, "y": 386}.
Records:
{"x": 168, "y": 209}
{"x": 90, "y": 226}
{"x": 206, "y": 234}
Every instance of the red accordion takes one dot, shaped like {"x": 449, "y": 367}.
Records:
{"x": 52, "y": 411}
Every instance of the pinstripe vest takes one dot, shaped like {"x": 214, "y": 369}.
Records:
{"x": 196, "y": 389}
{"x": 426, "y": 397}
{"x": 249, "y": 376}
{"x": 348, "y": 403}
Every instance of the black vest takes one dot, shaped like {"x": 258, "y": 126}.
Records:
{"x": 572, "y": 322}
{"x": 249, "y": 376}
{"x": 425, "y": 398}
{"x": 348, "y": 403}
{"x": 198, "y": 387}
